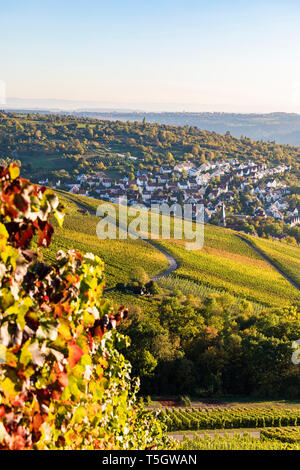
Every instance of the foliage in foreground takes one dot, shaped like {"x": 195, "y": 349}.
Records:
{"x": 63, "y": 384}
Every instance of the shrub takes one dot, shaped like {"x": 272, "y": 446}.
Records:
{"x": 63, "y": 383}
{"x": 185, "y": 400}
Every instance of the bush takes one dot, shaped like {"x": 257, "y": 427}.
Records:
{"x": 185, "y": 400}
{"x": 63, "y": 383}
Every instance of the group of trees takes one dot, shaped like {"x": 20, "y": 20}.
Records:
{"x": 265, "y": 227}
{"x": 213, "y": 347}
{"x": 152, "y": 144}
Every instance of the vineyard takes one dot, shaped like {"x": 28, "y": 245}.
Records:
{"x": 290, "y": 435}
{"x": 201, "y": 291}
{"x": 79, "y": 232}
{"x": 228, "y": 264}
{"x": 286, "y": 257}
{"x": 224, "y": 264}
{"x": 225, "y": 418}
{"x": 236, "y": 442}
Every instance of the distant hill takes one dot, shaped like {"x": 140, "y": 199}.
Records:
{"x": 284, "y": 128}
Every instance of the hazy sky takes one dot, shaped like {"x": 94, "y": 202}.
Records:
{"x": 192, "y": 55}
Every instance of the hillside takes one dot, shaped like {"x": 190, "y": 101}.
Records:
{"x": 61, "y": 147}
{"x": 225, "y": 263}
{"x": 222, "y": 323}
{"x": 284, "y": 128}
{"x": 79, "y": 232}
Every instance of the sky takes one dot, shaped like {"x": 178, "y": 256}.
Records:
{"x": 155, "y": 55}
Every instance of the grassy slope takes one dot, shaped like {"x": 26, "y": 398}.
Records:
{"x": 121, "y": 257}
{"x": 285, "y": 257}
{"x": 225, "y": 262}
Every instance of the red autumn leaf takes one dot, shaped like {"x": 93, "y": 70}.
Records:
{"x": 62, "y": 379}
{"x": 45, "y": 234}
{"x": 18, "y": 443}
{"x": 21, "y": 202}
{"x": 25, "y": 237}
{"x": 21, "y": 431}
{"x": 56, "y": 394}
{"x": 2, "y": 411}
{"x": 75, "y": 353}
{"x": 99, "y": 331}
{"x": 37, "y": 422}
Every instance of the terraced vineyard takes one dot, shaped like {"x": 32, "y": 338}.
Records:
{"x": 236, "y": 442}
{"x": 286, "y": 257}
{"x": 201, "y": 291}
{"x": 225, "y": 263}
{"x": 224, "y": 418}
{"x": 79, "y": 232}
{"x": 290, "y": 435}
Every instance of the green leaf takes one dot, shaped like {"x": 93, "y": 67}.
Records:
{"x": 26, "y": 355}
{"x": 79, "y": 415}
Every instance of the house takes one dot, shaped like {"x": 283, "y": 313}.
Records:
{"x": 119, "y": 197}
{"x": 271, "y": 184}
{"x": 45, "y": 182}
{"x": 208, "y": 214}
{"x": 151, "y": 186}
{"x": 164, "y": 170}
{"x": 74, "y": 189}
{"x": 103, "y": 194}
{"x": 146, "y": 195}
{"x": 293, "y": 213}
{"x": 214, "y": 194}
{"x": 259, "y": 212}
{"x": 183, "y": 184}
{"x": 223, "y": 187}
{"x": 83, "y": 192}
{"x": 163, "y": 179}
{"x": 186, "y": 166}
{"x": 281, "y": 204}
{"x": 82, "y": 178}
{"x": 120, "y": 183}
{"x": 294, "y": 221}
{"x": 141, "y": 180}
{"x": 107, "y": 182}
{"x": 274, "y": 212}
{"x": 203, "y": 179}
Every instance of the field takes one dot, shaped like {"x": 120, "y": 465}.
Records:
{"x": 236, "y": 428}
{"x": 236, "y": 442}
{"x": 79, "y": 232}
{"x": 192, "y": 419}
{"x": 286, "y": 257}
{"x": 225, "y": 263}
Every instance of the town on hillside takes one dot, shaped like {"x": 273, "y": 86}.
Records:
{"x": 241, "y": 189}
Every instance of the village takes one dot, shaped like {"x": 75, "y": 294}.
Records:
{"x": 216, "y": 185}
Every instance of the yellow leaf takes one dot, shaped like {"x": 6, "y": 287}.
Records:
{"x": 8, "y": 388}
{"x": 60, "y": 218}
{"x": 14, "y": 171}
